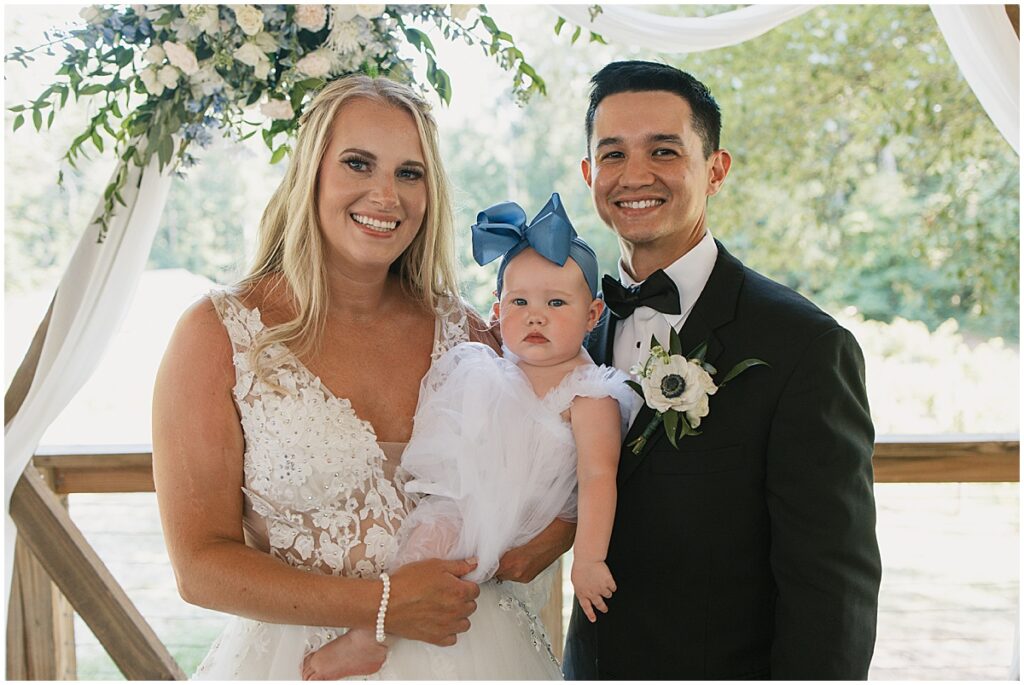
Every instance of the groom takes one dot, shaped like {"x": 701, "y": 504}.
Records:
{"x": 750, "y": 551}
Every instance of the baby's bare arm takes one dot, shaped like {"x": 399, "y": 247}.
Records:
{"x": 595, "y": 426}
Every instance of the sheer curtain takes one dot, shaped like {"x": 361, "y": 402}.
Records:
{"x": 91, "y": 300}
{"x": 987, "y": 50}
{"x": 980, "y": 37}
{"x": 632, "y": 26}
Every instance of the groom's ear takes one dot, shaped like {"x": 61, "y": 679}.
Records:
{"x": 585, "y": 168}
{"x": 718, "y": 169}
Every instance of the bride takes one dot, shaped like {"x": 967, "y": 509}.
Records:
{"x": 283, "y": 404}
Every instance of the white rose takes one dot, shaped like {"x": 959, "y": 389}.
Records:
{"x": 344, "y": 37}
{"x": 206, "y": 81}
{"x": 316, "y": 64}
{"x": 151, "y": 81}
{"x": 249, "y": 18}
{"x": 249, "y": 53}
{"x": 183, "y": 31}
{"x": 342, "y": 13}
{"x": 369, "y": 11}
{"x": 206, "y": 18}
{"x": 310, "y": 17}
{"x": 698, "y": 411}
{"x": 277, "y": 109}
{"x": 93, "y": 14}
{"x": 150, "y": 12}
{"x": 155, "y": 55}
{"x": 168, "y": 76}
{"x": 181, "y": 57}
{"x": 460, "y": 12}
{"x": 678, "y": 385}
{"x": 265, "y": 42}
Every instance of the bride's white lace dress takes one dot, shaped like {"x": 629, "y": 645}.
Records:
{"x": 322, "y": 495}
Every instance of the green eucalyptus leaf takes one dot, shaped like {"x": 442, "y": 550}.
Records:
{"x": 558, "y": 25}
{"x": 699, "y": 352}
{"x": 489, "y": 23}
{"x": 576, "y": 35}
{"x": 279, "y": 154}
{"x": 18, "y": 121}
{"x": 741, "y": 367}
{"x": 671, "y": 420}
{"x": 636, "y": 387}
{"x": 675, "y": 345}
{"x": 16, "y": 108}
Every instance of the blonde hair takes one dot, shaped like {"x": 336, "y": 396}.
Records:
{"x": 292, "y": 245}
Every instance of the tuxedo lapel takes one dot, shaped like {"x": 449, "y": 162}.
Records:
{"x": 715, "y": 307}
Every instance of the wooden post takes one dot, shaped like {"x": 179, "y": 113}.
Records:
{"x": 67, "y": 557}
{"x": 551, "y": 614}
{"x": 40, "y": 624}
{"x": 1013, "y": 14}
{"x": 40, "y": 620}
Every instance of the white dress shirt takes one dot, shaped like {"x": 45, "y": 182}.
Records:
{"x": 690, "y": 274}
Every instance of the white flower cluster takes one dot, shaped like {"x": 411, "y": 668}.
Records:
{"x": 675, "y": 383}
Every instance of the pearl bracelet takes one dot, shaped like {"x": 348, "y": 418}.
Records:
{"x": 383, "y": 610}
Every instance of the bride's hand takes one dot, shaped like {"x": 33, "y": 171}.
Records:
{"x": 430, "y": 601}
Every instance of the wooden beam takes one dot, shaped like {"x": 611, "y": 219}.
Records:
{"x": 22, "y": 381}
{"x": 965, "y": 458}
{"x": 90, "y": 469}
{"x": 1013, "y": 14}
{"x": 80, "y": 574}
{"x": 938, "y": 459}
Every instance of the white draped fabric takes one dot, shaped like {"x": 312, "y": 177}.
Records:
{"x": 632, "y": 26}
{"x": 980, "y": 37}
{"x": 92, "y": 299}
{"x": 987, "y": 50}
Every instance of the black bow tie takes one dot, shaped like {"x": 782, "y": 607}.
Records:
{"x": 658, "y": 292}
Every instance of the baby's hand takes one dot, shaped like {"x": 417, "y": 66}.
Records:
{"x": 593, "y": 584}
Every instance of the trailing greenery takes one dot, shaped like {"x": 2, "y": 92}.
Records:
{"x": 165, "y": 76}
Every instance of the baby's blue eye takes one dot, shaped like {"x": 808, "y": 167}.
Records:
{"x": 519, "y": 301}
{"x": 556, "y": 303}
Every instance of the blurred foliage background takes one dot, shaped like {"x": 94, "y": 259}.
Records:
{"x": 865, "y": 172}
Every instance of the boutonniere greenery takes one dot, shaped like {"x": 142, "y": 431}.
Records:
{"x": 677, "y": 387}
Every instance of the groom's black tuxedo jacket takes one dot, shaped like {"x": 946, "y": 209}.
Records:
{"x": 750, "y": 551}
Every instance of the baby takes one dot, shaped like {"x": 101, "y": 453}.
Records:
{"x": 500, "y": 443}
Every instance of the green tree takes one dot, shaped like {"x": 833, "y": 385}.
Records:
{"x": 865, "y": 172}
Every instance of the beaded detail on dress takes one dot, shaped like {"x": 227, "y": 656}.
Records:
{"x": 317, "y": 492}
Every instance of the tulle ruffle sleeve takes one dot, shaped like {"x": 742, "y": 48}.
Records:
{"x": 590, "y": 380}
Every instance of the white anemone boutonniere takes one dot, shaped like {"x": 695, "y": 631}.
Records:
{"x": 677, "y": 387}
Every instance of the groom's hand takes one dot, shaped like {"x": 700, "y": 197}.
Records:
{"x": 523, "y": 564}
{"x": 431, "y": 602}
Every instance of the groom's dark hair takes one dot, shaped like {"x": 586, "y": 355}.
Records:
{"x": 636, "y": 76}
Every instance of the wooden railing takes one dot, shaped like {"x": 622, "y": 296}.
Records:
{"x": 40, "y": 644}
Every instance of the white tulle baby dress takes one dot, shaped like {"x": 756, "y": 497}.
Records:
{"x": 494, "y": 464}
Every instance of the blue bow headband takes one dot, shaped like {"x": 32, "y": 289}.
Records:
{"x": 501, "y": 230}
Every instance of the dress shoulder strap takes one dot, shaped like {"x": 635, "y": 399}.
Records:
{"x": 452, "y": 325}
{"x": 242, "y": 324}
